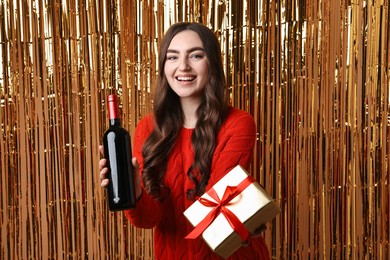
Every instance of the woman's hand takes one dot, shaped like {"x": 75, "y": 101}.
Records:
{"x": 104, "y": 170}
{"x": 258, "y": 231}
{"x": 137, "y": 179}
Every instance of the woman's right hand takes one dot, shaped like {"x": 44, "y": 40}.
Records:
{"x": 103, "y": 169}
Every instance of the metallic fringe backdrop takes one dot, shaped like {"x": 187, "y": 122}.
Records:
{"x": 314, "y": 74}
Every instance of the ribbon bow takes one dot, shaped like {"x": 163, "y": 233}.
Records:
{"x": 220, "y": 207}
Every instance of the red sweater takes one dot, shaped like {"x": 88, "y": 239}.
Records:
{"x": 235, "y": 142}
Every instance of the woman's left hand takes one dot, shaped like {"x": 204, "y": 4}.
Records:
{"x": 259, "y": 230}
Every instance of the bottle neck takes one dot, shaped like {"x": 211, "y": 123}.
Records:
{"x": 115, "y": 122}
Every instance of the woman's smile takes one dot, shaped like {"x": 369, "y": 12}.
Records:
{"x": 185, "y": 78}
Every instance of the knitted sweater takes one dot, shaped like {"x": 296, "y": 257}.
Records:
{"x": 235, "y": 142}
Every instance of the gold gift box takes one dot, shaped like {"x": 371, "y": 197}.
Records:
{"x": 253, "y": 207}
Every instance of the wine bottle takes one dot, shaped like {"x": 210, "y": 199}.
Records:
{"x": 117, "y": 152}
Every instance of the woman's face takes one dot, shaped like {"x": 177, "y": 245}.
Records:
{"x": 186, "y": 67}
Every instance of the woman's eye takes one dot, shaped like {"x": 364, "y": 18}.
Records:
{"x": 171, "y": 57}
{"x": 197, "y": 56}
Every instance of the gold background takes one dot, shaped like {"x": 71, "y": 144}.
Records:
{"x": 314, "y": 74}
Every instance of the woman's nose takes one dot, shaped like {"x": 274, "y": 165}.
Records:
{"x": 184, "y": 64}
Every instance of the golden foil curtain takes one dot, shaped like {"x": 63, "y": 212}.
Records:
{"x": 314, "y": 74}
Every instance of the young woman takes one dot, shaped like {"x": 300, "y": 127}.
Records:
{"x": 192, "y": 140}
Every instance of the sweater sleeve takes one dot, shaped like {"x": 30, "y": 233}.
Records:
{"x": 236, "y": 141}
{"x": 148, "y": 211}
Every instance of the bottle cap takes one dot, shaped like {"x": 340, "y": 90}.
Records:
{"x": 113, "y": 108}
{"x": 112, "y": 97}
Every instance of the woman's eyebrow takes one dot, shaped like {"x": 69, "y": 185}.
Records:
{"x": 187, "y": 51}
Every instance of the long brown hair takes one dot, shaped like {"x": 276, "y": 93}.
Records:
{"x": 168, "y": 116}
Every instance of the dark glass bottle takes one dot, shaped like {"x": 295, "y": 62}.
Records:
{"x": 117, "y": 151}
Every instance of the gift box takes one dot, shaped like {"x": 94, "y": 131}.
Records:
{"x": 228, "y": 213}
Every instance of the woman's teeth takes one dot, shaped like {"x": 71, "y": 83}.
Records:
{"x": 185, "y": 78}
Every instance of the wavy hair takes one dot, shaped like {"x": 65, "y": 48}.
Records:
{"x": 169, "y": 118}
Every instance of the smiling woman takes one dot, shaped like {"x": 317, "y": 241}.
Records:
{"x": 191, "y": 141}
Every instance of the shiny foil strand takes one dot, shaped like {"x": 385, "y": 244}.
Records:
{"x": 315, "y": 76}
